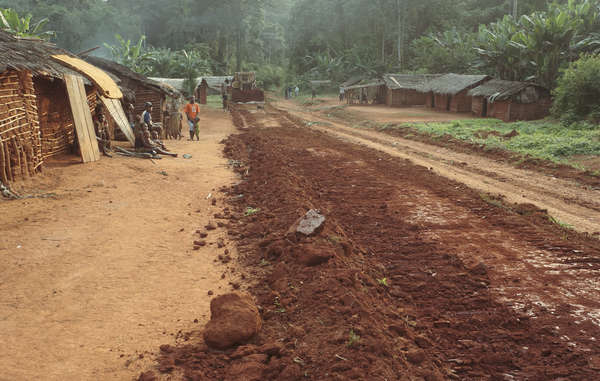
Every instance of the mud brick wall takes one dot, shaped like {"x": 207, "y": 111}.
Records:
{"x": 143, "y": 95}
{"x": 441, "y": 102}
{"x": 56, "y": 119}
{"x": 461, "y": 102}
{"x": 20, "y": 146}
{"x": 477, "y": 106}
{"x": 405, "y": 98}
{"x": 530, "y": 111}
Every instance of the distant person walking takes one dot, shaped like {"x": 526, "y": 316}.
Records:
{"x": 297, "y": 91}
{"x": 192, "y": 112}
{"x": 224, "y": 94}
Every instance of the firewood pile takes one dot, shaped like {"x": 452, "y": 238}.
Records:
{"x": 20, "y": 146}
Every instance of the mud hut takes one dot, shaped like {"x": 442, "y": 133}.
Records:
{"x": 36, "y": 121}
{"x": 404, "y": 89}
{"x": 210, "y": 86}
{"x": 510, "y": 100}
{"x": 450, "y": 91}
{"x": 371, "y": 91}
{"x": 138, "y": 89}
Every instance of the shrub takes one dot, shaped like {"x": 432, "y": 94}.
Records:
{"x": 576, "y": 96}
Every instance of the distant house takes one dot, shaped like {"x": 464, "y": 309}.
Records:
{"x": 450, "y": 91}
{"x": 138, "y": 89}
{"x": 210, "y": 85}
{"x": 510, "y": 100}
{"x": 368, "y": 91}
{"x": 404, "y": 89}
{"x": 352, "y": 81}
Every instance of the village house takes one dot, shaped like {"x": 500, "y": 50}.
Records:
{"x": 138, "y": 89}
{"x": 210, "y": 86}
{"x": 510, "y": 100}
{"x": 367, "y": 91}
{"x": 45, "y": 100}
{"x": 404, "y": 89}
{"x": 449, "y": 92}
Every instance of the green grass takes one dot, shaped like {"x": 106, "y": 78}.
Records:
{"x": 541, "y": 139}
{"x": 214, "y": 101}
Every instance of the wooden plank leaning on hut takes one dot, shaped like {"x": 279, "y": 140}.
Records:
{"x": 82, "y": 118}
{"x": 116, "y": 111}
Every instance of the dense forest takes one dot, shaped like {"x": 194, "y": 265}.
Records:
{"x": 295, "y": 40}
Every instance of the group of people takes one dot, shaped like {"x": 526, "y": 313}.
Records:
{"x": 290, "y": 92}
{"x": 146, "y": 132}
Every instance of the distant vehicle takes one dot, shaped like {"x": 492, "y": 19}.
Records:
{"x": 244, "y": 89}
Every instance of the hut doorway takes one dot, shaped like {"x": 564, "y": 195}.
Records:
{"x": 484, "y": 106}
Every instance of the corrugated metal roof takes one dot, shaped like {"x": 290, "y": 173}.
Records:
{"x": 215, "y": 82}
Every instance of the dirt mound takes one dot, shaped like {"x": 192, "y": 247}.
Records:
{"x": 390, "y": 299}
{"x": 234, "y": 319}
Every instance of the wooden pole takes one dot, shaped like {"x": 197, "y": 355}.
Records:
{"x": 3, "y": 175}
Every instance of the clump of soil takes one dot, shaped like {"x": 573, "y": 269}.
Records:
{"x": 234, "y": 320}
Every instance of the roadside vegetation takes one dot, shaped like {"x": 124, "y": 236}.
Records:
{"x": 546, "y": 139}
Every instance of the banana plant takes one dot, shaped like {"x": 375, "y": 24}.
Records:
{"x": 11, "y": 22}
{"x": 134, "y": 56}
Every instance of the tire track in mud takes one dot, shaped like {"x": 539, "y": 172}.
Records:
{"x": 565, "y": 200}
{"x": 434, "y": 281}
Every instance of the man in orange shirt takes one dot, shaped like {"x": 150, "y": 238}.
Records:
{"x": 192, "y": 111}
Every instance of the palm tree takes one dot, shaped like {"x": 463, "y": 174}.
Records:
{"x": 11, "y": 22}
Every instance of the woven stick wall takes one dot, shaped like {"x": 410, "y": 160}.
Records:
{"x": 56, "y": 120}
{"x": 20, "y": 146}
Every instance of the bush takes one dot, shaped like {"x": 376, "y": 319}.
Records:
{"x": 576, "y": 96}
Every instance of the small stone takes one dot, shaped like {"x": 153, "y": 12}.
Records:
{"x": 210, "y": 293}
{"x": 311, "y": 223}
{"x": 210, "y": 227}
{"x": 200, "y": 243}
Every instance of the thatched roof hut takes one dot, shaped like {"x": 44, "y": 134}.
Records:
{"x": 366, "y": 91}
{"x": 404, "y": 89}
{"x": 352, "y": 81}
{"x": 510, "y": 100}
{"x": 137, "y": 88}
{"x": 34, "y": 56}
{"x": 449, "y": 92}
{"x": 452, "y": 84}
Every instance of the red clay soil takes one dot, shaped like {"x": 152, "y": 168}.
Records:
{"x": 394, "y": 302}
{"x": 521, "y": 161}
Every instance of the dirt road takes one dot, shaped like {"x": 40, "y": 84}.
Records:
{"x": 414, "y": 276}
{"x": 566, "y": 200}
{"x": 96, "y": 277}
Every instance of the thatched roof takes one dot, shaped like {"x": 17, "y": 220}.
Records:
{"x": 452, "y": 84}
{"x": 499, "y": 90}
{"x": 128, "y": 78}
{"x": 33, "y": 55}
{"x": 215, "y": 82}
{"x": 352, "y": 81}
{"x": 407, "y": 81}
{"x": 367, "y": 83}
